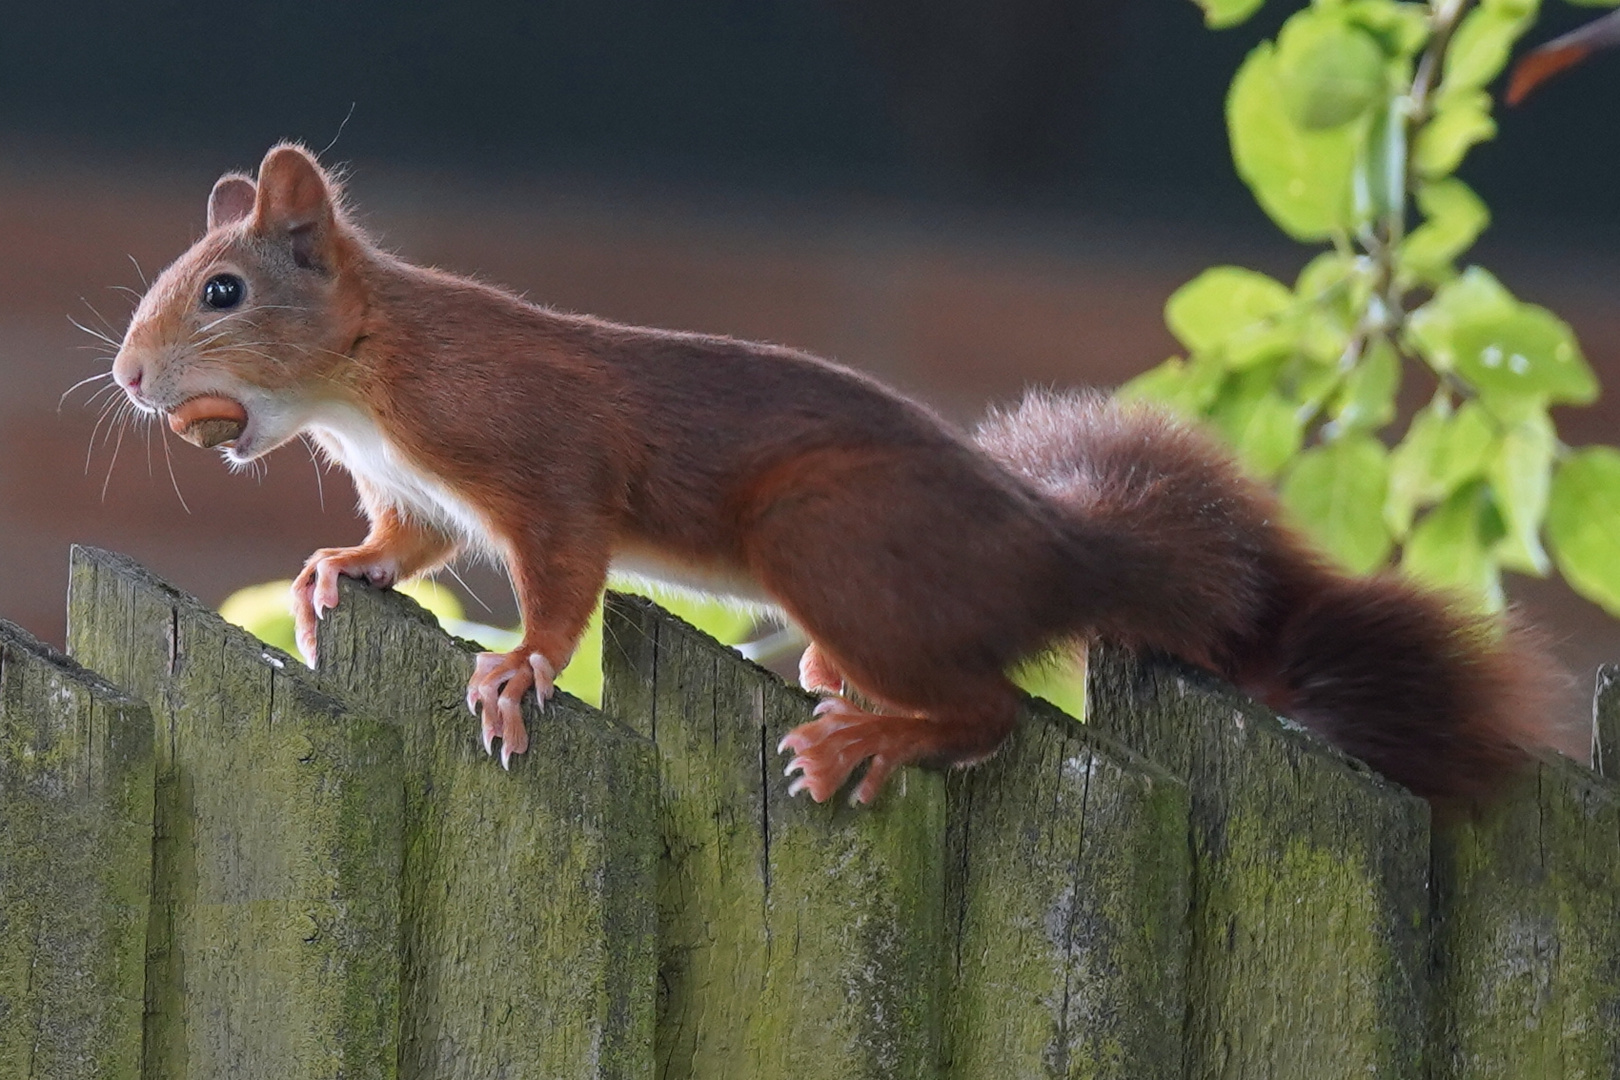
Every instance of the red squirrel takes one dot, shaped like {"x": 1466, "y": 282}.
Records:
{"x": 921, "y": 562}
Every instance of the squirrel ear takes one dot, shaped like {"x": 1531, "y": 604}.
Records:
{"x": 231, "y": 200}
{"x": 294, "y": 201}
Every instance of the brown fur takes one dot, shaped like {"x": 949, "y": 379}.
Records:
{"x": 922, "y": 564}
{"x": 1442, "y": 700}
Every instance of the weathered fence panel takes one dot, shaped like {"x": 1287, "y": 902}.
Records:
{"x": 273, "y": 942}
{"x": 76, "y": 775}
{"x": 326, "y": 877}
{"x": 795, "y": 940}
{"x": 1527, "y": 933}
{"x": 1069, "y": 882}
{"x": 528, "y": 915}
{"x": 1310, "y": 878}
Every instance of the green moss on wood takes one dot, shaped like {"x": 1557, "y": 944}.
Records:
{"x": 528, "y": 895}
{"x": 794, "y": 939}
{"x": 1310, "y": 883}
{"x": 1070, "y": 877}
{"x": 1527, "y": 933}
{"x": 318, "y": 892}
{"x": 76, "y": 783}
{"x": 275, "y": 918}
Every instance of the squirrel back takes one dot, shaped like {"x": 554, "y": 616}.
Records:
{"x": 1436, "y": 696}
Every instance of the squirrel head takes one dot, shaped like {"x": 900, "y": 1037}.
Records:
{"x": 251, "y": 328}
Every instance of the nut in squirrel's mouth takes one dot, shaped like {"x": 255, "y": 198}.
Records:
{"x": 209, "y": 420}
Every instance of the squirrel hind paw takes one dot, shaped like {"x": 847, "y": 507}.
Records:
{"x": 829, "y": 749}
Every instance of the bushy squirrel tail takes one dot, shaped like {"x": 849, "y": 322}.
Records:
{"x": 1445, "y": 701}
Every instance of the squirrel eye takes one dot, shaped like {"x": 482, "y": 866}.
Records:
{"x": 223, "y": 291}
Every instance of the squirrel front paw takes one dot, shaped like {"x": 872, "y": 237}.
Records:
{"x": 315, "y": 590}
{"x": 498, "y": 684}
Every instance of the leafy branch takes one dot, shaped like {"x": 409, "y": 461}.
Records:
{"x": 1347, "y": 126}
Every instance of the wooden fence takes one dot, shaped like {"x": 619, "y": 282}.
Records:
{"x": 214, "y": 863}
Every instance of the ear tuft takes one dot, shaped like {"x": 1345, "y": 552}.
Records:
{"x": 231, "y": 200}
{"x": 295, "y": 200}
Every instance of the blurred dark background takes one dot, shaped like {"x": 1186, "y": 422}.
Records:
{"x": 963, "y": 196}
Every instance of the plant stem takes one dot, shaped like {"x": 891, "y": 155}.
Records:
{"x": 1418, "y": 108}
{"x": 1446, "y": 15}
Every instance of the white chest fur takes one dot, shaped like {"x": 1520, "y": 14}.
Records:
{"x": 353, "y": 440}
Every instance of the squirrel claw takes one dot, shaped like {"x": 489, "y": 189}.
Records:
{"x": 315, "y": 590}
{"x": 831, "y": 747}
{"x": 495, "y": 694}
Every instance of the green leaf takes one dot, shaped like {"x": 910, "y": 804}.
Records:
{"x": 1220, "y": 14}
{"x": 1519, "y": 357}
{"x": 1238, "y": 311}
{"x": 1309, "y": 383}
{"x": 1402, "y": 29}
{"x": 438, "y": 600}
{"x": 1187, "y": 387}
{"x": 265, "y": 611}
{"x": 1409, "y": 466}
{"x": 1454, "y": 218}
{"x": 1336, "y": 492}
{"x": 1583, "y": 524}
{"x": 1521, "y": 478}
{"x": 1329, "y": 70}
{"x": 1300, "y": 178}
{"x": 1461, "y": 451}
{"x": 1265, "y": 428}
{"x": 1058, "y": 678}
{"x": 1450, "y": 548}
{"x": 1459, "y": 123}
{"x": 1515, "y": 8}
{"x": 1367, "y": 401}
{"x": 1325, "y": 275}
{"x": 726, "y": 623}
{"x": 1324, "y": 315}
{"x": 723, "y": 622}
{"x": 1480, "y": 48}
{"x": 1441, "y": 452}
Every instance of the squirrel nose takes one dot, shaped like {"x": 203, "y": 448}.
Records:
{"x": 129, "y": 378}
